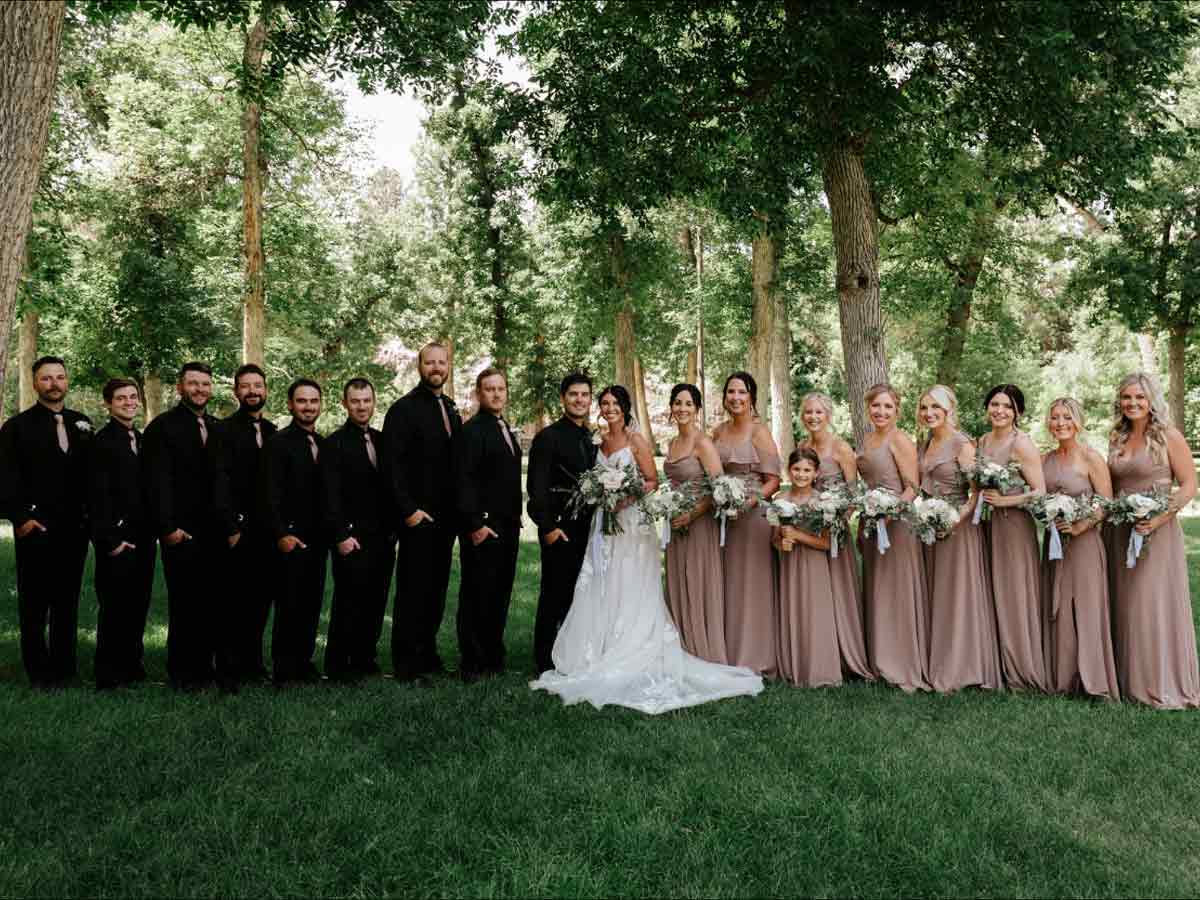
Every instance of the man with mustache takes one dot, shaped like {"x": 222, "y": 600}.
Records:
{"x": 244, "y": 434}
{"x": 42, "y": 490}
{"x": 421, "y": 430}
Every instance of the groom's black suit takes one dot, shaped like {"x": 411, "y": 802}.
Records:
{"x": 559, "y": 455}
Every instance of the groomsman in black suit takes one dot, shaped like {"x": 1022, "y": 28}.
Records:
{"x": 123, "y": 537}
{"x": 488, "y": 470}
{"x": 251, "y": 547}
{"x": 293, "y": 511}
{"x": 43, "y": 486}
{"x": 559, "y": 455}
{"x": 188, "y": 500}
{"x": 421, "y": 429}
{"x": 361, "y": 526}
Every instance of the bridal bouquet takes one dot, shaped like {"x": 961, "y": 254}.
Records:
{"x": 1048, "y": 509}
{"x": 875, "y": 506}
{"x": 606, "y": 486}
{"x": 931, "y": 518}
{"x": 989, "y": 475}
{"x": 1129, "y": 509}
{"x": 731, "y": 495}
{"x": 667, "y": 503}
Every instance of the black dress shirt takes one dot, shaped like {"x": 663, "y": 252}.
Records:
{"x": 37, "y": 480}
{"x": 185, "y": 485}
{"x": 488, "y": 474}
{"x": 116, "y": 491}
{"x": 241, "y": 459}
{"x": 559, "y": 455}
{"x": 290, "y": 488}
{"x": 421, "y": 454}
{"x": 358, "y": 500}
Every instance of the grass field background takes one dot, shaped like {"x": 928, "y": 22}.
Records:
{"x": 492, "y": 790}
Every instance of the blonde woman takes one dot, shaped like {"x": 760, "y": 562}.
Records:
{"x": 838, "y": 467}
{"x": 1152, "y": 609}
{"x": 1011, "y": 543}
{"x": 895, "y": 595}
{"x": 963, "y": 651}
{"x": 1079, "y": 652}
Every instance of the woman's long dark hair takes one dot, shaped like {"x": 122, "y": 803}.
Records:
{"x": 621, "y": 395}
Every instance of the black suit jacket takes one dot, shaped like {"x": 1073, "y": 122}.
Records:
{"x": 421, "y": 454}
{"x": 488, "y": 474}
{"x": 185, "y": 484}
{"x": 559, "y": 455}
{"x": 116, "y": 490}
{"x": 37, "y": 480}
{"x": 358, "y": 499}
{"x": 241, "y": 459}
{"x": 290, "y": 487}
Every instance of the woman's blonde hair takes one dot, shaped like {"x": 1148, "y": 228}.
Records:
{"x": 1071, "y": 405}
{"x": 946, "y": 399}
{"x": 826, "y": 404}
{"x": 1156, "y": 428}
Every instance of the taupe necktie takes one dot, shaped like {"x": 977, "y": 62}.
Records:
{"x": 258, "y": 433}
{"x": 445, "y": 417}
{"x": 312, "y": 445}
{"x": 371, "y": 450}
{"x": 63, "y": 444}
{"x": 133, "y": 441}
{"x": 203, "y": 431}
{"x": 507, "y": 437}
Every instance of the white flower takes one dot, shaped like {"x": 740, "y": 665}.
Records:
{"x": 612, "y": 479}
{"x": 84, "y": 425}
{"x": 597, "y": 438}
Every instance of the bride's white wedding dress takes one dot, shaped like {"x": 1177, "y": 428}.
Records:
{"x": 618, "y": 644}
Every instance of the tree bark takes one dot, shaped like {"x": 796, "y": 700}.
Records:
{"x": 1177, "y": 392}
{"x": 537, "y": 381}
{"x": 1147, "y": 352}
{"x": 448, "y": 387}
{"x": 30, "y": 41}
{"x": 641, "y": 409}
{"x": 254, "y": 303}
{"x": 856, "y": 245}
{"x": 691, "y": 241}
{"x": 153, "y": 389}
{"x": 690, "y": 374}
{"x": 624, "y": 343}
{"x": 782, "y": 426}
{"x": 764, "y": 275}
{"x": 27, "y": 352}
{"x": 966, "y": 271}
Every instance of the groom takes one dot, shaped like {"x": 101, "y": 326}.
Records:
{"x": 559, "y": 454}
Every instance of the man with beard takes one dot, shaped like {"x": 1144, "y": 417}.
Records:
{"x": 292, "y": 510}
{"x": 559, "y": 455}
{"x": 361, "y": 528}
{"x": 244, "y": 434}
{"x": 185, "y": 490}
{"x": 421, "y": 429}
{"x": 42, "y": 491}
{"x": 123, "y": 537}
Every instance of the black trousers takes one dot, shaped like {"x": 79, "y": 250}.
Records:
{"x": 124, "y": 584}
{"x": 250, "y": 591}
{"x": 561, "y": 562}
{"x": 484, "y": 594}
{"x": 361, "y": 582}
{"x": 422, "y": 577}
{"x": 49, "y": 576}
{"x": 197, "y": 611}
{"x": 300, "y": 596}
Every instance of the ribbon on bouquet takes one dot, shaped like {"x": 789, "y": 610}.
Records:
{"x": 882, "y": 541}
{"x": 1134, "y": 550}
{"x": 975, "y": 519}
{"x": 1056, "y": 547}
{"x": 724, "y": 515}
{"x": 666, "y": 534}
{"x": 833, "y": 548}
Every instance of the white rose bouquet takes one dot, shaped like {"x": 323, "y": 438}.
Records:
{"x": 1129, "y": 509}
{"x": 989, "y": 475}
{"x": 827, "y": 511}
{"x": 1049, "y": 509}
{"x": 875, "y": 506}
{"x": 731, "y": 496}
{"x": 931, "y": 518}
{"x": 667, "y": 503}
{"x": 606, "y": 486}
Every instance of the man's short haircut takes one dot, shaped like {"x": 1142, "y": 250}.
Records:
{"x": 430, "y": 346}
{"x": 573, "y": 378}
{"x": 202, "y": 368}
{"x": 248, "y": 369}
{"x": 488, "y": 373}
{"x": 115, "y": 384}
{"x": 47, "y": 361}
{"x": 357, "y": 384}
{"x": 302, "y": 382}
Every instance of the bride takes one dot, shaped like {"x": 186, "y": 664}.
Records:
{"x": 618, "y": 644}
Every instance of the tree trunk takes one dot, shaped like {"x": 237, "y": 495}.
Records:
{"x": 1147, "y": 352}
{"x": 624, "y": 344}
{"x": 448, "y": 387}
{"x": 856, "y": 245}
{"x": 1177, "y": 393}
{"x": 254, "y": 304}
{"x": 30, "y": 40}
{"x": 698, "y": 249}
{"x": 27, "y": 352}
{"x": 692, "y": 367}
{"x": 641, "y": 409}
{"x": 966, "y": 271}
{"x": 764, "y": 275}
{"x": 537, "y": 381}
{"x": 782, "y": 426}
{"x": 153, "y": 389}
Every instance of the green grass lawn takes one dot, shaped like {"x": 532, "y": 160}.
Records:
{"x": 492, "y": 790}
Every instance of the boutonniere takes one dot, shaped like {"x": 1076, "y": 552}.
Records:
{"x": 597, "y": 438}
{"x": 84, "y": 425}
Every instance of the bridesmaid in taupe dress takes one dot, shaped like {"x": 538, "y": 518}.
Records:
{"x": 1079, "y": 650}
{"x": 751, "y": 606}
{"x": 1152, "y": 608}
{"x": 1011, "y": 544}
{"x": 838, "y": 467}
{"x": 962, "y": 619}
{"x": 895, "y": 595}
{"x": 695, "y": 581}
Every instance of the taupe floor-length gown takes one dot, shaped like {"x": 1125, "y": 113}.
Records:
{"x": 963, "y": 651}
{"x": 695, "y": 580}
{"x": 894, "y": 589}
{"x": 1011, "y": 545}
{"x": 1155, "y": 645}
{"x": 751, "y": 606}
{"x": 1079, "y": 649}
